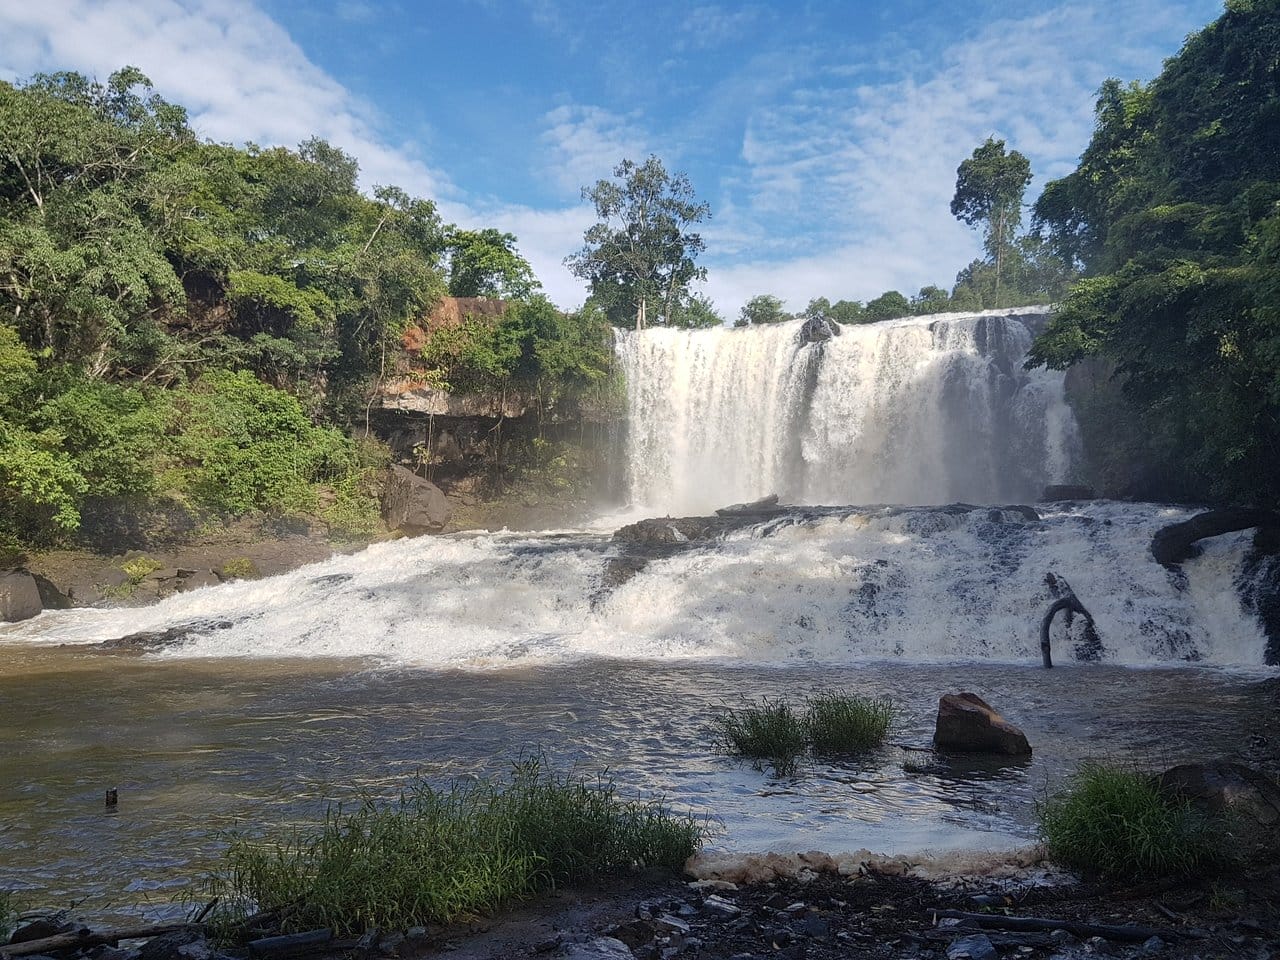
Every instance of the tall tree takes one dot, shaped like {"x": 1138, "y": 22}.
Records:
{"x": 1174, "y": 212}
{"x": 989, "y": 190}
{"x": 485, "y": 263}
{"x": 762, "y": 308}
{"x": 639, "y": 256}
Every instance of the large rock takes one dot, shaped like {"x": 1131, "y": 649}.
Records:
{"x": 19, "y": 596}
{"x": 412, "y": 505}
{"x": 968, "y": 724}
{"x": 1067, "y": 491}
{"x": 1249, "y": 797}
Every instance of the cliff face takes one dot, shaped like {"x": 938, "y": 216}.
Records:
{"x": 503, "y": 456}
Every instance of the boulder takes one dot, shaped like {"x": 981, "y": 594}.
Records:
{"x": 19, "y": 596}
{"x": 412, "y": 505}
{"x": 198, "y": 579}
{"x": 1247, "y": 795}
{"x": 765, "y": 505}
{"x": 1067, "y": 491}
{"x": 968, "y": 724}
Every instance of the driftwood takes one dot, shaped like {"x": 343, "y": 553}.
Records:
{"x": 84, "y": 937}
{"x": 1126, "y": 933}
{"x": 1066, "y": 600}
{"x": 289, "y": 943}
{"x": 1177, "y": 542}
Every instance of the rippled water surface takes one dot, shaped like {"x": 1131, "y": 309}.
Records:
{"x": 198, "y": 746}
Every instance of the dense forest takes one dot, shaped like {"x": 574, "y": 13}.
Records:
{"x": 206, "y": 324}
{"x": 1174, "y": 216}
{"x": 209, "y": 324}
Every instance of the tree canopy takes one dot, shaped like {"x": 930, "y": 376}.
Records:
{"x": 990, "y": 186}
{"x": 639, "y": 256}
{"x": 1174, "y": 214}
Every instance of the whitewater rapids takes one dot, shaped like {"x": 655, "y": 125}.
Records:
{"x": 920, "y": 585}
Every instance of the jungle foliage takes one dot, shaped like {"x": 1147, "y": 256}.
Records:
{"x": 1174, "y": 215}
{"x": 205, "y": 323}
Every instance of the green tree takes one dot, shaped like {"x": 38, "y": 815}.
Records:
{"x": 485, "y": 263}
{"x": 990, "y": 185}
{"x": 931, "y": 299}
{"x": 762, "y": 308}
{"x": 848, "y": 311}
{"x": 695, "y": 312}
{"x": 1174, "y": 213}
{"x": 639, "y": 256}
{"x": 887, "y": 306}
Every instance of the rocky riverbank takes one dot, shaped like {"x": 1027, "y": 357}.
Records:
{"x": 1000, "y": 908}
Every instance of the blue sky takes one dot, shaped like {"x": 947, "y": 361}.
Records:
{"x": 824, "y": 135}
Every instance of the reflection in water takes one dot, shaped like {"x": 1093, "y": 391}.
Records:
{"x": 201, "y": 746}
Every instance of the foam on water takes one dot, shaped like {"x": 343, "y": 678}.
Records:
{"x": 920, "y": 410}
{"x": 918, "y": 585}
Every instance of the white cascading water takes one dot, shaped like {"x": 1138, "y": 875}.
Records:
{"x": 918, "y": 585}
{"x": 922, "y": 410}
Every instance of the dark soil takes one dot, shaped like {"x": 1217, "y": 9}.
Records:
{"x": 877, "y": 916}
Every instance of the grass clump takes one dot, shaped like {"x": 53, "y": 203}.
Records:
{"x": 139, "y": 568}
{"x": 768, "y": 730}
{"x": 1115, "y": 822}
{"x": 8, "y": 915}
{"x": 239, "y": 568}
{"x": 847, "y": 722}
{"x": 439, "y": 855}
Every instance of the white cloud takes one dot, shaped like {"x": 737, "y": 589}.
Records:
{"x": 847, "y": 164}
{"x": 847, "y": 189}
{"x": 710, "y": 25}
{"x": 586, "y": 142}
{"x": 237, "y": 71}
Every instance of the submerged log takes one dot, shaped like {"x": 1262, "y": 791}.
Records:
{"x": 1068, "y": 601}
{"x": 1177, "y": 542}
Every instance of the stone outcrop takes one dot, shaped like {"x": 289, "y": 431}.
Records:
{"x": 1067, "y": 491}
{"x": 19, "y": 596}
{"x": 412, "y": 505}
{"x": 1249, "y": 797}
{"x": 1177, "y": 542}
{"x": 968, "y": 724}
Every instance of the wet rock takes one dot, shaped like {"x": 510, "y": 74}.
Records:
{"x": 1067, "y": 491}
{"x": 1151, "y": 947}
{"x": 618, "y": 570}
{"x": 976, "y": 947}
{"x": 170, "y": 946}
{"x": 968, "y": 724}
{"x": 42, "y": 927}
{"x": 601, "y": 948}
{"x": 199, "y": 579}
{"x": 765, "y": 505}
{"x": 720, "y": 906}
{"x": 412, "y": 505}
{"x": 19, "y": 596}
{"x": 158, "y": 639}
{"x": 1247, "y": 794}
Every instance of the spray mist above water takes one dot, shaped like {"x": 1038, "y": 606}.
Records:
{"x": 922, "y": 410}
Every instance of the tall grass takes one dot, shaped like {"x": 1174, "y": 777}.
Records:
{"x": 1116, "y": 822}
{"x": 438, "y": 855}
{"x": 847, "y": 722}
{"x": 8, "y": 915}
{"x": 775, "y": 731}
{"x": 766, "y": 730}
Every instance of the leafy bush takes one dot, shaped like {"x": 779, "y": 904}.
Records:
{"x": 239, "y": 568}
{"x": 243, "y": 445}
{"x": 837, "y": 721}
{"x": 139, "y": 568}
{"x": 1116, "y": 822}
{"x": 113, "y": 434}
{"x": 438, "y": 855}
{"x": 768, "y": 730}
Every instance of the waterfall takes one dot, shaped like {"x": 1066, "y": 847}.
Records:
{"x": 921, "y": 410}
